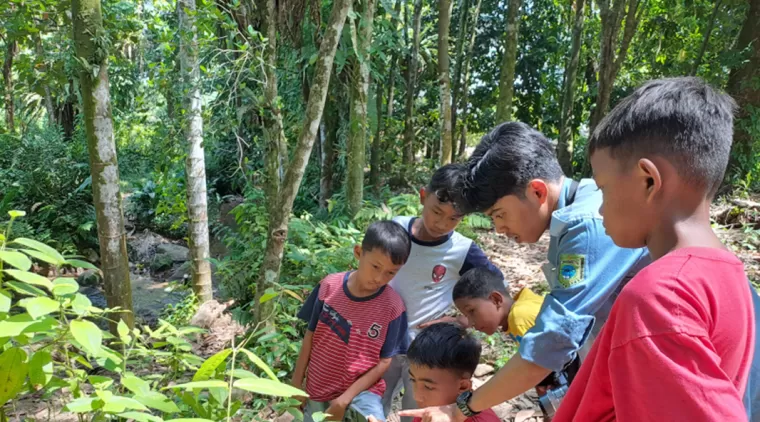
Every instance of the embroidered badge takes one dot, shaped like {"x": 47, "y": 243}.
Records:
{"x": 571, "y": 269}
{"x": 438, "y": 272}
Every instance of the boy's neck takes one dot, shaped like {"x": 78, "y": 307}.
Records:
{"x": 680, "y": 230}
{"x": 354, "y": 286}
{"x": 420, "y": 233}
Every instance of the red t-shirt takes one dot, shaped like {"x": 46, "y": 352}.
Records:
{"x": 484, "y": 416}
{"x": 677, "y": 346}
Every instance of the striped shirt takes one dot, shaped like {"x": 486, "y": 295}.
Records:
{"x": 351, "y": 335}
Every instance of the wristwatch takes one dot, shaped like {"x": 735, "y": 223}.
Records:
{"x": 463, "y": 403}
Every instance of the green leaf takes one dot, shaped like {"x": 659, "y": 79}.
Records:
{"x": 25, "y": 289}
{"x": 199, "y": 384}
{"x": 207, "y": 370}
{"x": 100, "y": 381}
{"x": 85, "y": 405}
{"x": 242, "y": 373}
{"x": 15, "y": 325}
{"x": 30, "y": 278}
{"x": 16, "y": 259}
{"x": 16, "y": 214}
{"x": 266, "y": 297}
{"x": 123, "y": 330}
{"x": 118, "y": 404}
{"x": 268, "y": 387}
{"x": 40, "y": 306}
{"x": 40, "y": 369}
{"x": 190, "y": 420}
{"x": 135, "y": 385}
{"x": 5, "y": 301}
{"x": 65, "y": 286}
{"x": 41, "y": 247}
{"x": 260, "y": 363}
{"x": 140, "y": 417}
{"x": 81, "y": 304}
{"x": 45, "y": 324}
{"x": 39, "y": 255}
{"x": 78, "y": 263}
{"x": 157, "y": 401}
{"x": 13, "y": 369}
{"x": 88, "y": 335}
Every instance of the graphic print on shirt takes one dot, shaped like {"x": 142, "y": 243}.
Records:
{"x": 339, "y": 325}
{"x": 439, "y": 271}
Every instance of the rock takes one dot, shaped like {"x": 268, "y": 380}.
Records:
{"x": 181, "y": 272}
{"x": 285, "y": 417}
{"x": 161, "y": 262}
{"x": 177, "y": 253}
{"x": 141, "y": 246}
{"x": 89, "y": 278}
{"x": 95, "y": 295}
{"x": 483, "y": 370}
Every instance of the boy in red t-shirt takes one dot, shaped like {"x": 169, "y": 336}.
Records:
{"x": 356, "y": 324}
{"x": 442, "y": 359}
{"x": 679, "y": 340}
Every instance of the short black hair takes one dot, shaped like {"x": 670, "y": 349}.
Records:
{"x": 445, "y": 346}
{"x": 479, "y": 283}
{"x": 684, "y": 120}
{"x": 389, "y": 237}
{"x": 503, "y": 164}
{"x": 446, "y": 181}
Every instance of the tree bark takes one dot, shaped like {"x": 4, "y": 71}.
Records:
{"x": 278, "y": 221}
{"x": 329, "y": 141}
{"x": 743, "y": 84}
{"x": 411, "y": 85}
{"x": 456, "y": 85}
{"x": 466, "y": 84}
{"x": 376, "y": 150}
{"x": 104, "y": 167}
{"x": 45, "y": 86}
{"x": 509, "y": 62}
{"x": 565, "y": 145}
{"x": 195, "y": 164}
{"x": 444, "y": 78}
{"x": 359, "y": 91}
{"x": 10, "y": 52}
{"x": 706, "y": 39}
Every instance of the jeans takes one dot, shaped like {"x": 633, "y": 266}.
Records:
{"x": 397, "y": 377}
{"x": 362, "y": 406}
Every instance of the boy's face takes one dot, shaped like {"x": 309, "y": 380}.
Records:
{"x": 435, "y": 386}
{"x": 524, "y": 220}
{"x": 627, "y": 192}
{"x": 375, "y": 268}
{"x": 439, "y": 218}
{"x": 485, "y": 315}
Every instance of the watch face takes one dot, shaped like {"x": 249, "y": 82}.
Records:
{"x": 463, "y": 403}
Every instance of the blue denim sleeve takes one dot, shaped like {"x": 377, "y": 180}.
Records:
{"x": 396, "y": 341}
{"x": 311, "y": 308}
{"x": 476, "y": 258}
{"x": 584, "y": 271}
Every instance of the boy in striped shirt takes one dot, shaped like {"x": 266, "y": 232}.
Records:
{"x": 356, "y": 324}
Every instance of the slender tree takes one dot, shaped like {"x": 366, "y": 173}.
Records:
{"x": 411, "y": 84}
{"x": 509, "y": 62}
{"x": 92, "y": 58}
{"x": 331, "y": 125}
{"x": 11, "y": 47}
{"x": 444, "y": 78}
{"x": 706, "y": 38}
{"x": 456, "y": 84}
{"x": 466, "y": 81}
{"x": 565, "y": 144}
{"x": 45, "y": 86}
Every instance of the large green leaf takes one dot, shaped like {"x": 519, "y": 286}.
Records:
{"x": 5, "y": 301}
{"x": 123, "y": 330}
{"x": 40, "y": 306}
{"x": 31, "y": 278}
{"x": 15, "y": 325}
{"x": 81, "y": 304}
{"x": 16, "y": 259}
{"x": 199, "y": 384}
{"x": 25, "y": 289}
{"x": 140, "y": 417}
{"x": 40, "y": 369}
{"x": 135, "y": 385}
{"x": 207, "y": 370}
{"x": 78, "y": 263}
{"x": 41, "y": 247}
{"x": 39, "y": 255}
{"x": 85, "y": 405}
{"x": 65, "y": 286}
{"x": 88, "y": 335}
{"x": 13, "y": 368}
{"x": 268, "y": 387}
{"x": 118, "y": 404}
{"x": 260, "y": 363}
{"x": 157, "y": 401}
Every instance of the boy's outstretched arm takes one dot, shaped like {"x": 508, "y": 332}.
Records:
{"x": 303, "y": 360}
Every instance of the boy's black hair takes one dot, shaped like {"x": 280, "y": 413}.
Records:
{"x": 504, "y": 162}
{"x": 389, "y": 237}
{"x": 445, "y": 346}
{"x": 683, "y": 119}
{"x": 446, "y": 181}
{"x": 479, "y": 283}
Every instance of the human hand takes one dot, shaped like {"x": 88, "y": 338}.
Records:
{"x": 337, "y": 409}
{"x": 457, "y": 320}
{"x": 448, "y": 413}
{"x": 372, "y": 419}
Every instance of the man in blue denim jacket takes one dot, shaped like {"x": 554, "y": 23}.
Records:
{"x": 514, "y": 177}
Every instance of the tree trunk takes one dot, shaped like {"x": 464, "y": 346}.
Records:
{"x": 10, "y": 53}
{"x": 706, "y": 39}
{"x": 456, "y": 85}
{"x": 359, "y": 91}
{"x": 743, "y": 85}
{"x": 444, "y": 78}
{"x": 411, "y": 85}
{"x": 610, "y": 62}
{"x": 195, "y": 164}
{"x": 376, "y": 150}
{"x": 104, "y": 167}
{"x": 46, "y": 87}
{"x": 278, "y": 221}
{"x": 329, "y": 141}
{"x": 565, "y": 145}
{"x": 466, "y": 84}
{"x": 509, "y": 62}
{"x": 386, "y": 164}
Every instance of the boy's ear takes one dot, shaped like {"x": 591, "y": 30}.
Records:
{"x": 357, "y": 251}
{"x": 497, "y": 298}
{"x": 538, "y": 190}
{"x": 423, "y": 193}
{"x": 465, "y": 384}
{"x": 650, "y": 176}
